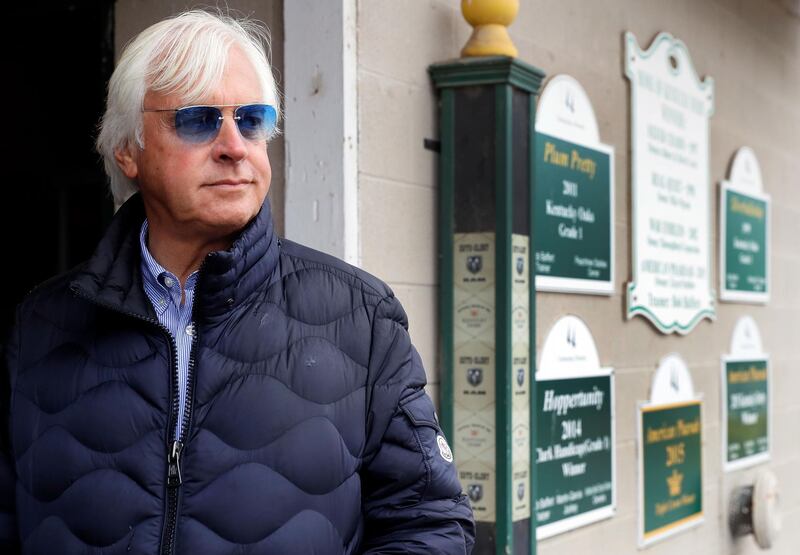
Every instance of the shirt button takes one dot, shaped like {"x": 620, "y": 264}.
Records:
{"x": 190, "y": 329}
{"x": 162, "y": 301}
{"x": 168, "y": 281}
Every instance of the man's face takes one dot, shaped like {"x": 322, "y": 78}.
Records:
{"x": 201, "y": 191}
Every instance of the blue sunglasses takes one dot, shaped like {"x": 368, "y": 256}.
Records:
{"x": 200, "y": 124}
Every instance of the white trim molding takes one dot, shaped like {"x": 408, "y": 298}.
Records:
{"x": 321, "y": 126}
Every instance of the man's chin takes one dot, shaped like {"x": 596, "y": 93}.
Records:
{"x": 229, "y": 223}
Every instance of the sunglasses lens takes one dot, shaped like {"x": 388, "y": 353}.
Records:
{"x": 256, "y": 121}
{"x": 197, "y": 124}
{"x": 200, "y": 124}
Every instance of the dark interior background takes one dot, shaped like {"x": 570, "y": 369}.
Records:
{"x": 57, "y": 205}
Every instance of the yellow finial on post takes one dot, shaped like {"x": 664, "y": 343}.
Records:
{"x": 489, "y": 19}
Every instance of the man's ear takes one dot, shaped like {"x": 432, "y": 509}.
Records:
{"x": 126, "y": 160}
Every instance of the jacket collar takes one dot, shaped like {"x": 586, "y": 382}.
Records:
{"x": 112, "y": 276}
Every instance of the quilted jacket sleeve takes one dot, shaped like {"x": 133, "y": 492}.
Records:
{"x": 412, "y": 499}
{"x": 8, "y": 520}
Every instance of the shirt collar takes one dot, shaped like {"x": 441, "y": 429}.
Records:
{"x": 112, "y": 277}
{"x": 159, "y": 283}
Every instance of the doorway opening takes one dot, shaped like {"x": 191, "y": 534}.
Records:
{"x": 56, "y": 203}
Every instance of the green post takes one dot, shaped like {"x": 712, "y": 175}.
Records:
{"x": 532, "y": 331}
{"x": 446, "y": 183}
{"x": 487, "y": 294}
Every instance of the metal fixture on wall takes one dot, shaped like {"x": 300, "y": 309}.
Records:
{"x": 754, "y": 510}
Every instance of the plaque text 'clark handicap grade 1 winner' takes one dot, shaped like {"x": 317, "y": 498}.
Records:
{"x": 573, "y": 453}
{"x": 575, "y": 439}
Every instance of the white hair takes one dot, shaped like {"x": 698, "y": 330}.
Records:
{"x": 185, "y": 55}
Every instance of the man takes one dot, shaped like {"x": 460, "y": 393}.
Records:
{"x": 199, "y": 385}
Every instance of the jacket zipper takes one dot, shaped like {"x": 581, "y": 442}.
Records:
{"x": 174, "y": 447}
{"x": 174, "y": 478}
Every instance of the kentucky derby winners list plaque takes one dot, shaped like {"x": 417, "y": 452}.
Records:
{"x": 670, "y": 109}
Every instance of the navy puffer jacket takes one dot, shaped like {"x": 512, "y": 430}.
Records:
{"x": 308, "y": 427}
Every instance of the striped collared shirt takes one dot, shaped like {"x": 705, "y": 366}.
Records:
{"x": 164, "y": 291}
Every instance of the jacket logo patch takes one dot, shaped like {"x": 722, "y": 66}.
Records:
{"x": 444, "y": 449}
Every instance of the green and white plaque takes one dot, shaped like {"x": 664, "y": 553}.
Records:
{"x": 575, "y": 432}
{"x": 745, "y": 399}
{"x": 574, "y": 186}
{"x": 670, "y": 109}
{"x": 670, "y": 455}
{"x": 744, "y": 232}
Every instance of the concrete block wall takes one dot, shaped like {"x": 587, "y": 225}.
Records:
{"x": 398, "y": 208}
{"x": 752, "y": 50}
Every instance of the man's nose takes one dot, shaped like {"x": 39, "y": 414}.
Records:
{"x": 229, "y": 145}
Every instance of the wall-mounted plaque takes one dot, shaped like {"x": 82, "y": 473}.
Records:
{"x": 744, "y": 232}
{"x": 670, "y": 109}
{"x": 745, "y": 399}
{"x": 574, "y": 187}
{"x": 670, "y": 454}
{"x": 575, "y": 432}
